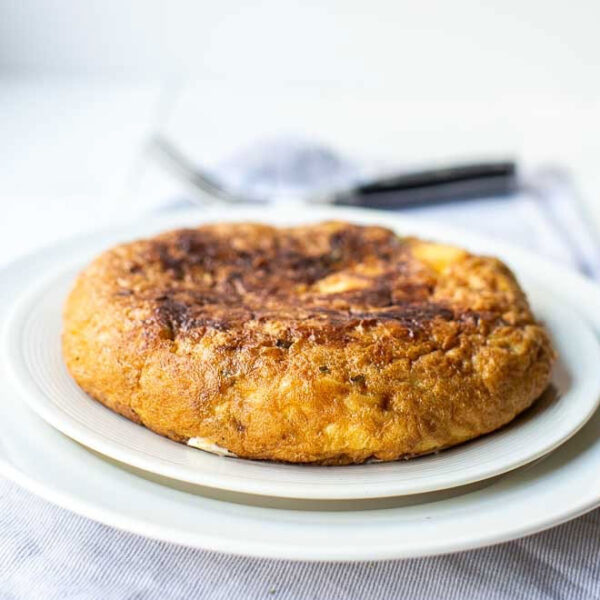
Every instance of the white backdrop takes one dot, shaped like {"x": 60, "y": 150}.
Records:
{"x": 402, "y": 80}
{"x": 438, "y": 47}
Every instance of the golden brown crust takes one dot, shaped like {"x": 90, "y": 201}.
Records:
{"x": 329, "y": 343}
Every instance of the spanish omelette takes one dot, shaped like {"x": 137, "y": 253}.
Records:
{"x": 330, "y": 343}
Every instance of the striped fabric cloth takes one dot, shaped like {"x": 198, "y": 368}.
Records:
{"x": 47, "y": 553}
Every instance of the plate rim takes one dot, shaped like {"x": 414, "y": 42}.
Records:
{"x": 147, "y": 529}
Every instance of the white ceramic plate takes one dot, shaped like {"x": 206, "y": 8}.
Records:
{"x": 561, "y": 486}
{"x": 34, "y": 359}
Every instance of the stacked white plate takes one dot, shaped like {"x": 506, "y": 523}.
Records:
{"x": 537, "y": 472}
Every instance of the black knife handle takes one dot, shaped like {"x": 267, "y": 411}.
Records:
{"x": 436, "y": 185}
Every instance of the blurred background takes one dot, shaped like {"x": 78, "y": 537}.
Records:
{"x": 84, "y": 84}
